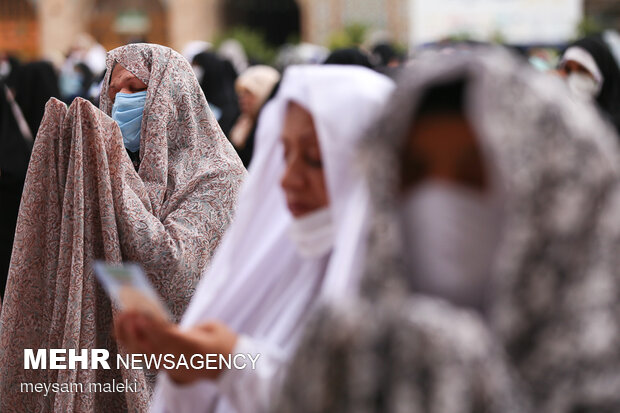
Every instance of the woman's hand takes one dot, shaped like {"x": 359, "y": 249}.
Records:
{"x": 145, "y": 335}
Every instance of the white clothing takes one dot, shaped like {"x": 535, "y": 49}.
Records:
{"x": 257, "y": 283}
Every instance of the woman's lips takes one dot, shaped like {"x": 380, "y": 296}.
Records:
{"x": 298, "y": 208}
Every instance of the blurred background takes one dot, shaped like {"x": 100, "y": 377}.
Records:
{"x": 71, "y": 37}
{"x": 34, "y": 29}
{"x": 239, "y": 48}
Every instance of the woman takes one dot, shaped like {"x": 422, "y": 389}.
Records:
{"x": 217, "y": 80}
{"x": 285, "y": 235}
{"x": 85, "y": 200}
{"x": 351, "y": 56}
{"x": 15, "y": 147}
{"x": 35, "y": 84}
{"x": 253, "y": 87}
{"x": 22, "y": 110}
{"x": 491, "y": 280}
{"x": 593, "y": 74}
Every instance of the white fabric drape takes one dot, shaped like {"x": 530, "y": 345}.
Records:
{"x": 257, "y": 283}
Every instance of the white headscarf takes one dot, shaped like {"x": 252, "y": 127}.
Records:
{"x": 584, "y": 58}
{"x": 260, "y": 81}
{"x": 258, "y": 284}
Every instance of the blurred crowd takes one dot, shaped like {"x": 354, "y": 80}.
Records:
{"x": 432, "y": 232}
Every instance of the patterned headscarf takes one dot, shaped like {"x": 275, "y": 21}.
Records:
{"x": 553, "y": 327}
{"x": 179, "y": 132}
{"x": 83, "y": 200}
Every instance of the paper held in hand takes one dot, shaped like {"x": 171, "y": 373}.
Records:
{"x": 130, "y": 290}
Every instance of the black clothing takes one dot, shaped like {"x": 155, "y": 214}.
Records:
{"x": 608, "y": 99}
{"x": 14, "y": 157}
{"x": 218, "y": 85}
{"x": 35, "y": 83}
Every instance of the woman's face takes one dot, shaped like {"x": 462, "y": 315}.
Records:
{"x": 571, "y": 67}
{"x": 303, "y": 181}
{"x": 247, "y": 101}
{"x": 123, "y": 81}
{"x": 443, "y": 147}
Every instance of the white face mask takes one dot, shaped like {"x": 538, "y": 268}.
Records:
{"x": 312, "y": 233}
{"x": 450, "y": 238}
{"x": 583, "y": 86}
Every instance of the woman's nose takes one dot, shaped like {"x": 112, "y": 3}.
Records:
{"x": 293, "y": 177}
{"x": 122, "y": 90}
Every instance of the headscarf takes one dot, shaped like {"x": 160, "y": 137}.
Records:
{"x": 386, "y": 54}
{"x": 194, "y": 48}
{"x": 351, "y": 56}
{"x": 83, "y": 200}
{"x": 268, "y": 294}
{"x": 301, "y": 54}
{"x": 260, "y": 81}
{"x": 218, "y": 85}
{"x": 233, "y": 51}
{"x": 608, "y": 98}
{"x": 553, "y": 310}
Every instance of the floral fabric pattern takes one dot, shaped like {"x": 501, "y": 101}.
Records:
{"x": 551, "y": 320}
{"x": 83, "y": 201}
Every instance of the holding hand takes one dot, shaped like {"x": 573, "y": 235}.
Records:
{"x": 145, "y": 335}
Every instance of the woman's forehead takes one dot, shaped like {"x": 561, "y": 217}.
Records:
{"x": 299, "y": 117}
{"x": 121, "y": 76}
{"x": 119, "y": 72}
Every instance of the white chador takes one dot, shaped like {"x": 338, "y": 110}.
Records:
{"x": 267, "y": 276}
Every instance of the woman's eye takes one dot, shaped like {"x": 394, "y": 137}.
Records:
{"x": 314, "y": 162}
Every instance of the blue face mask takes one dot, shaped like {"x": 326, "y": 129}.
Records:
{"x": 127, "y": 112}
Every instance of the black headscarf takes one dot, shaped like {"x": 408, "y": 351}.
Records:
{"x": 35, "y": 84}
{"x": 14, "y": 158}
{"x": 386, "y": 54}
{"x": 14, "y": 65}
{"x": 218, "y": 85}
{"x": 247, "y": 151}
{"x": 609, "y": 98}
{"x": 352, "y": 56}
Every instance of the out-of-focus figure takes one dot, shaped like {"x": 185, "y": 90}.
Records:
{"x": 23, "y": 105}
{"x": 15, "y": 147}
{"x": 352, "y": 56}
{"x": 592, "y": 73}
{"x": 253, "y": 87}
{"x": 217, "y": 79}
{"x": 34, "y": 85}
{"x": 83, "y": 67}
{"x": 8, "y": 66}
{"x": 301, "y": 54}
{"x": 195, "y": 47}
{"x": 87, "y": 50}
{"x": 491, "y": 276}
{"x": 543, "y": 59}
{"x": 234, "y": 52}
{"x": 387, "y": 55}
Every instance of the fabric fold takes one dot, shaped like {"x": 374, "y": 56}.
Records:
{"x": 84, "y": 201}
